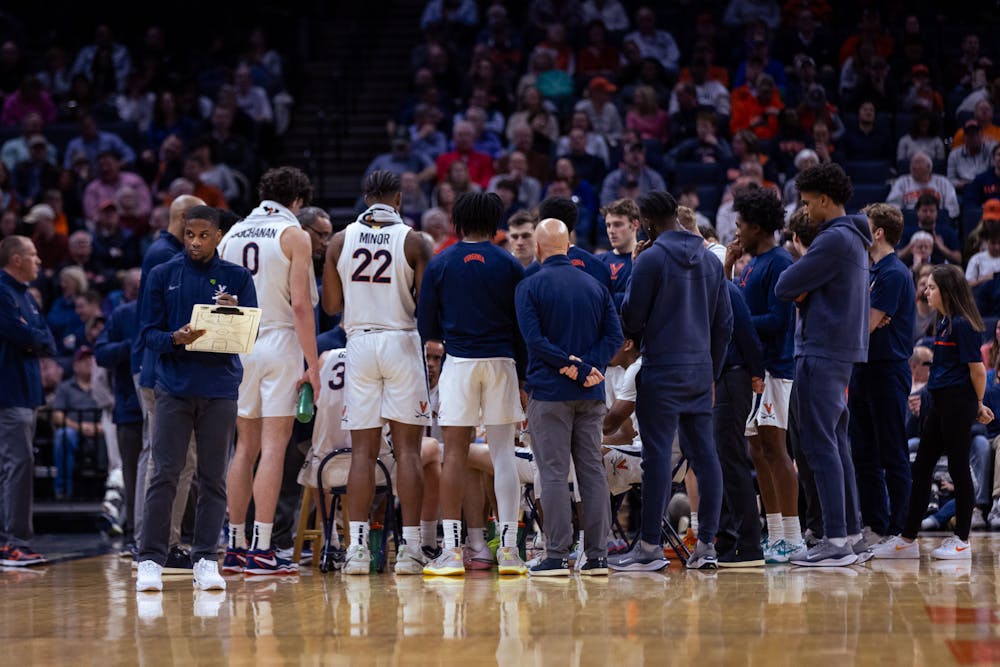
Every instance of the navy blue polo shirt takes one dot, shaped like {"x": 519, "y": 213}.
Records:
{"x": 955, "y": 347}
{"x": 892, "y": 292}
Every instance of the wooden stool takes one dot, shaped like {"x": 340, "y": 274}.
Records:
{"x": 306, "y": 531}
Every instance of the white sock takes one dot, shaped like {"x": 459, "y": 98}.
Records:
{"x": 411, "y": 535}
{"x": 579, "y": 539}
{"x": 838, "y": 541}
{"x": 359, "y": 533}
{"x": 791, "y": 530}
{"x": 694, "y": 522}
{"x": 429, "y": 533}
{"x": 237, "y": 536}
{"x": 508, "y": 534}
{"x": 261, "y": 536}
{"x": 775, "y": 531}
{"x": 476, "y": 538}
{"x": 452, "y": 533}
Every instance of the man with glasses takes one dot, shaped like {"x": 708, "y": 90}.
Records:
{"x": 317, "y": 223}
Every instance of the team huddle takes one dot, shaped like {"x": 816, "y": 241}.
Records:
{"x": 455, "y": 361}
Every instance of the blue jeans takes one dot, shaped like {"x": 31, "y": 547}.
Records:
{"x": 66, "y": 443}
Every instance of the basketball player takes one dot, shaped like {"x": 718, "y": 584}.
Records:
{"x": 373, "y": 273}
{"x": 468, "y": 301}
{"x": 566, "y": 210}
{"x": 621, "y": 217}
{"x": 271, "y": 244}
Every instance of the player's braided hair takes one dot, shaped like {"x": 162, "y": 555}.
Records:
{"x": 382, "y": 184}
{"x": 477, "y": 213}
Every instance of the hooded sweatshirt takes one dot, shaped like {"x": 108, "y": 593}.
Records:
{"x": 678, "y": 302}
{"x": 833, "y": 276}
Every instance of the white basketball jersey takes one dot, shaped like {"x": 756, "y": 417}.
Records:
{"x": 377, "y": 279}
{"x": 327, "y": 433}
{"x": 255, "y": 244}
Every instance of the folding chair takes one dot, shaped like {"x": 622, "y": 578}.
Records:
{"x": 667, "y": 532}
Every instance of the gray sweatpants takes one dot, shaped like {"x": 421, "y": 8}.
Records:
{"x": 147, "y": 399}
{"x": 213, "y": 422}
{"x": 562, "y": 431}
{"x": 17, "y": 470}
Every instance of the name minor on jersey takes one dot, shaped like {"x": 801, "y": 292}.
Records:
{"x": 377, "y": 238}
{"x": 257, "y": 233}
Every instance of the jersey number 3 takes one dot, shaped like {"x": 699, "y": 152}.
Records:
{"x": 359, "y": 275}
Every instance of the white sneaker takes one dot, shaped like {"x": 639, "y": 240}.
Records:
{"x": 897, "y": 547}
{"x": 150, "y": 576}
{"x": 410, "y": 560}
{"x": 358, "y": 560}
{"x": 994, "y": 516}
{"x": 952, "y": 548}
{"x": 978, "y": 522}
{"x": 207, "y": 577}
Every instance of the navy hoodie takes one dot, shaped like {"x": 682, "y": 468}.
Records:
{"x": 113, "y": 351}
{"x": 171, "y": 292}
{"x": 563, "y": 312}
{"x": 678, "y": 302}
{"x": 162, "y": 250}
{"x": 467, "y": 301}
{"x": 833, "y": 317}
{"x": 745, "y": 348}
{"x": 582, "y": 260}
{"x": 24, "y": 337}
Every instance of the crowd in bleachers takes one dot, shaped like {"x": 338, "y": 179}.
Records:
{"x": 95, "y": 143}
{"x": 702, "y": 99}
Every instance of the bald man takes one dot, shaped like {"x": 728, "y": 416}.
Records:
{"x": 143, "y": 362}
{"x": 571, "y": 331}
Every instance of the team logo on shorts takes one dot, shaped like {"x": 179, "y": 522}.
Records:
{"x": 768, "y": 411}
{"x": 343, "y": 415}
{"x": 474, "y": 257}
{"x": 422, "y": 412}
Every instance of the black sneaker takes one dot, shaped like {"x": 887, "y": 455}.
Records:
{"x": 178, "y": 561}
{"x": 741, "y": 559}
{"x": 595, "y": 567}
{"x": 551, "y": 567}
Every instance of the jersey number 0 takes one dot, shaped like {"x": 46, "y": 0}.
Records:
{"x": 383, "y": 256}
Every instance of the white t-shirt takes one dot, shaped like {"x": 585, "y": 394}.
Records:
{"x": 620, "y": 386}
{"x": 982, "y": 265}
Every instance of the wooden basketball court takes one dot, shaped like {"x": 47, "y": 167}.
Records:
{"x": 87, "y": 612}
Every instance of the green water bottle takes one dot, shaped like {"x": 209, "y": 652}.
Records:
{"x": 375, "y": 538}
{"x": 305, "y": 410}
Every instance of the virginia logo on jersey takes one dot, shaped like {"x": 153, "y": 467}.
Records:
{"x": 615, "y": 269}
{"x": 474, "y": 257}
{"x": 578, "y": 262}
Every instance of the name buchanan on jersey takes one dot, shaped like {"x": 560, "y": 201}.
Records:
{"x": 380, "y": 238}
{"x": 256, "y": 233}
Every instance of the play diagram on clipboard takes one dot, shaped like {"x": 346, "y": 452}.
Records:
{"x": 228, "y": 329}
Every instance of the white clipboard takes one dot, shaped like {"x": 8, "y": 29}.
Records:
{"x": 228, "y": 329}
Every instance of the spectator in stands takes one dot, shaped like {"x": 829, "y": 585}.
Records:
{"x": 971, "y": 159}
{"x": 220, "y": 175}
{"x": 15, "y": 150}
{"x": 815, "y": 108}
{"x": 414, "y": 200}
{"x": 805, "y": 37}
{"x": 483, "y": 99}
{"x": 604, "y": 117}
{"x": 756, "y": 107}
{"x": 711, "y": 94}
{"x": 758, "y": 40}
{"x": 8, "y": 195}
{"x": 984, "y": 115}
{"x": 402, "y": 159}
{"x": 167, "y": 119}
{"x": 706, "y": 147}
{"x": 130, "y": 218}
{"x": 233, "y": 149}
{"x": 870, "y": 32}
{"x": 632, "y": 179}
{"x": 24, "y": 338}
{"x": 51, "y": 245}
{"x": 863, "y": 141}
{"x": 436, "y": 223}
{"x": 92, "y": 142}
{"x": 459, "y": 179}
{"x": 485, "y": 140}
{"x": 945, "y": 246}
{"x": 462, "y": 13}
{"x": 521, "y": 233}
{"x": 480, "y": 165}
{"x": 822, "y": 143}
{"x": 35, "y": 175}
{"x": 803, "y": 160}
{"x": 791, "y": 139}
{"x": 960, "y": 71}
{"x": 81, "y": 255}
{"x": 135, "y": 104}
{"x": 527, "y": 190}
{"x": 589, "y": 167}
{"x": 503, "y": 41}
{"x": 597, "y": 57}
{"x": 647, "y": 72}
{"x": 63, "y": 321}
{"x": 443, "y": 197}
{"x": 922, "y": 138}
{"x": 907, "y": 189}
{"x": 653, "y": 43}
{"x": 804, "y": 76}
{"x": 684, "y": 121}
{"x": 545, "y": 12}
{"x": 76, "y": 414}
{"x": 251, "y": 99}
{"x": 986, "y": 185}
{"x": 595, "y": 144}
{"x": 921, "y": 96}
{"x": 54, "y": 199}
{"x": 555, "y": 43}
{"x": 740, "y": 13}
{"x": 646, "y": 118}
{"x": 55, "y": 73}
{"x": 27, "y": 99}
{"x": 583, "y": 192}
{"x": 425, "y": 137}
{"x": 114, "y": 247}
{"x": 105, "y": 63}
{"x": 532, "y": 103}
{"x": 986, "y": 263}
{"x": 110, "y": 178}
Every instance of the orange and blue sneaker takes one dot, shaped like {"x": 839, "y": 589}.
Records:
{"x": 235, "y": 561}
{"x": 20, "y": 556}
{"x": 266, "y": 561}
